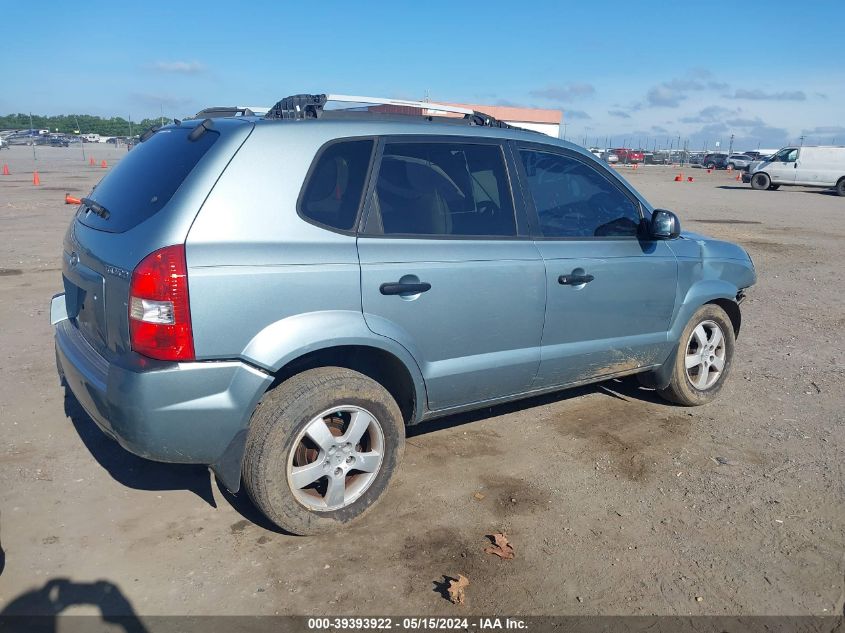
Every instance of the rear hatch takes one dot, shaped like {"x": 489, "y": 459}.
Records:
{"x": 148, "y": 201}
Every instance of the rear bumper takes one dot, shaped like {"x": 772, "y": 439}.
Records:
{"x": 194, "y": 412}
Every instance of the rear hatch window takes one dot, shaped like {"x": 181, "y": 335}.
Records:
{"x": 143, "y": 181}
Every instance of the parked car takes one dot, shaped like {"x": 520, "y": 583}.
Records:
{"x": 714, "y": 160}
{"x": 609, "y": 157}
{"x": 58, "y": 141}
{"x": 738, "y": 161}
{"x": 286, "y": 331}
{"x": 808, "y": 166}
{"x": 24, "y": 137}
{"x": 628, "y": 156}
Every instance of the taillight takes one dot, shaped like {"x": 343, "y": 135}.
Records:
{"x": 159, "y": 312}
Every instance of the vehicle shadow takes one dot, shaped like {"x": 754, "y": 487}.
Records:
{"x": 243, "y": 505}
{"x": 2, "y": 555}
{"x": 39, "y": 610}
{"x": 133, "y": 471}
{"x": 627, "y": 388}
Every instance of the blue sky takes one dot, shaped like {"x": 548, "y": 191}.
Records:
{"x": 766, "y": 72}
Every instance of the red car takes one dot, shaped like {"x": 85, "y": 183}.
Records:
{"x": 629, "y": 155}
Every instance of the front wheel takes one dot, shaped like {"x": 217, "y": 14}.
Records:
{"x": 322, "y": 448}
{"x": 760, "y": 182}
{"x": 703, "y": 360}
{"x": 840, "y": 187}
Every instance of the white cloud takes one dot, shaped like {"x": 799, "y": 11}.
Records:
{"x": 182, "y": 67}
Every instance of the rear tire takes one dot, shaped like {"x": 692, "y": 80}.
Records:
{"x": 840, "y": 187}
{"x": 300, "y": 470}
{"x": 703, "y": 359}
{"x": 760, "y": 181}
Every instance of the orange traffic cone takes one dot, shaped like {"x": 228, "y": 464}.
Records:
{"x": 679, "y": 177}
{"x": 103, "y": 164}
{"x": 690, "y": 179}
{"x": 709, "y": 171}
{"x": 69, "y": 199}
{"x": 36, "y": 180}
{"x": 5, "y": 169}
{"x": 738, "y": 178}
{"x": 91, "y": 162}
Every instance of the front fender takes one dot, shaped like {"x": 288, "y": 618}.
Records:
{"x": 704, "y": 291}
{"x": 286, "y": 340}
{"x": 700, "y": 293}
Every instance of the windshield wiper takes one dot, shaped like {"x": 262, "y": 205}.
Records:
{"x": 96, "y": 207}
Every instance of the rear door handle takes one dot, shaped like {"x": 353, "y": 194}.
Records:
{"x": 397, "y": 288}
{"x": 574, "y": 280}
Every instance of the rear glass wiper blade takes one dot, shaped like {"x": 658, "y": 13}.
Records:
{"x": 96, "y": 207}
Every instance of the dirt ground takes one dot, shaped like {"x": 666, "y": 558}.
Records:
{"x": 615, "y": 502}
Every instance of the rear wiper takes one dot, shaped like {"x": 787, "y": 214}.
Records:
{"x": 96, "y": 207}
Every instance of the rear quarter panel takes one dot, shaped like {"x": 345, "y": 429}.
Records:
{"x": 252, "y": 261}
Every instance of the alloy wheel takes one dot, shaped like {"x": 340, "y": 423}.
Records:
{"x": 705, "y": 355}
{"x": 335, "y": 458}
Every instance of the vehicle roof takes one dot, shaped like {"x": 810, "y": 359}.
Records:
{"x": 325, "y": 129}
{"x": 381, "y": 126}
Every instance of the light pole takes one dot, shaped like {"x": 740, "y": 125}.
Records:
{"x": 32, "y": 138}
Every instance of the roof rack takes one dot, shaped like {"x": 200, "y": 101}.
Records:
{"x": 307, "y": 106}
{"x": 229, "y": 111}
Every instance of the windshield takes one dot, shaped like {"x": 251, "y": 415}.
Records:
{"x": 143, "y": 182}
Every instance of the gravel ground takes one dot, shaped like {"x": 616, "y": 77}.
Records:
{"x": 615, "y": 502}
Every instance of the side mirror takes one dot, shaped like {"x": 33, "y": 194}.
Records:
{"x": 665, "y": 225}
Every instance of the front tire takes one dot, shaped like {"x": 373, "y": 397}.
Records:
{"x": 322, "y": 448}
{"x": 840, "y": 187}
{"x": 703, "y": 359}
{"x": 760, "y": 182}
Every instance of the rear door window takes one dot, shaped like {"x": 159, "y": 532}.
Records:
{"x": 146, "y": 178}
{"x": 443, "y": 189}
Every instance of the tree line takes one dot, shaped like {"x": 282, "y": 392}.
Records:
{"x": 84, "y": 123}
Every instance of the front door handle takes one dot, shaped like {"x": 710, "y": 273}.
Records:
{"x": 574, "y": 280}
{"x": 398, "y": 288}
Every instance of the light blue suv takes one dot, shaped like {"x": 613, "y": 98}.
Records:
{"x": 280, "y": 297}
